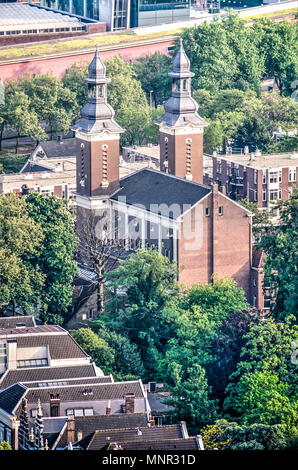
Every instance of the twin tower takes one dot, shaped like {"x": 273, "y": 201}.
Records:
{"x": 98, "y": 135}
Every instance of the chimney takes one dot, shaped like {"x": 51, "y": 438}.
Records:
{"x": 200, "y": 442}
{"x": 12, "y": 354}
{"x": 129, "y": 406}
{"x": 108, "y": 408}
{"x": 224, "y": 189}
{"x": 184, "y": 430}
{"x": 70, "y": 430}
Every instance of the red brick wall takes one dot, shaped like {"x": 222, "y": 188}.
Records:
{"x": 177, "y": 155}
{"x": 224, "y": 249}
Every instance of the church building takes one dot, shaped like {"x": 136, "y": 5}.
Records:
{"x": 205, "y": 232}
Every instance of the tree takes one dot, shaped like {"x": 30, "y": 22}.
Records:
{"x": 152, "y": 71}
{"x": 99, "y": 350}
{"x": 99, "y": 249}
{"x": 127, "y": 359}
{"x": 73, "y": 80}
{"x": 225, "y": 435}
{"x": 280, "y": 267}
{"x": 20, "y": 117}
{"x": 260, "y": 397}
{"x": 21, "y": 239}
{"x": 267, "y": 343}
{"x": 278, "y": 43}
{"x": 56, "y": 255}
{"x": 5, "y": 446}
{"x": 218, "y": 299}
{"x": 149, "y": 309}
{"x": 261, "y": 219}
{"x": 190, "y": 398}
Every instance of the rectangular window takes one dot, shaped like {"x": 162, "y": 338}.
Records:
{"x": 264, "y": 177}
{"x": 8, "y": 435}
{"x": 264, "y": 195}
{"x": 255, "y": 176}
{"x": 292, "y": 174}
{"x": 273, "y": 177}
{"x": 280, "y": 176}
{"x": 88, "y": 411}
{"x": 273, "y": 195}
{"x": 220, "y": 210}
{"x": 79, "y": 412}
{"x": 255, "y": 196}
{"x": 207, "y": 212}
{"x": 267, "y": 302}
{"x": 1, "y": 432}
{"x": 254, "y": 302}
{"x": 69, "y": 412}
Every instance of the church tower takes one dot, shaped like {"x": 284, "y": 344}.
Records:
{"x": 98, "y": 137}
{"x": 181, "y": 128}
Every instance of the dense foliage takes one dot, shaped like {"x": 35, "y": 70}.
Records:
{"x": 37, "y": 244}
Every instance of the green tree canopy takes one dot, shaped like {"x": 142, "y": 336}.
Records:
{"x": 56, "y": 256}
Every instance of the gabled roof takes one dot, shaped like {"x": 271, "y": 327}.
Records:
{"x": 10, "y": 397}
{"x": 100, "y": 439}
{"x": 12, "y": 322}
{"x": 61, "y": 343}
{"x": 59, "y": 149}
{"x": 88, "y": 424}
{"x": 156, "y": 191}
{"x": 162, "y": 444}
{"x": 46, "y": 374}
{"x": 77, "y": 393}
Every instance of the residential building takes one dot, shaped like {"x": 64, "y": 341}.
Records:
{"x": 47, "y": 378}
{"x": 261, "y": 178}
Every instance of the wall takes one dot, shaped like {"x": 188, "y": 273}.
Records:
{"x": 59, "y": 63}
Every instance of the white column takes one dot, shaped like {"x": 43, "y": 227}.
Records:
{"x": 70, "y": 6}
{"x": 143, "y": 233}
{"x": 159, "y": 235}
{"x": 85, "y": 8}
{"x": 175, "y": 241}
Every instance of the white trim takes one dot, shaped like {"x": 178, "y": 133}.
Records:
{"x": 104, "y": 135}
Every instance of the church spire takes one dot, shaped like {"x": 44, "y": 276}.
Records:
{"x": 97, "y": 115}
{"x": 181, "y": 128}
{"x": 181, "y": 109}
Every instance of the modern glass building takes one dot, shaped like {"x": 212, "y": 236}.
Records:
{"x": 123, "y": 14}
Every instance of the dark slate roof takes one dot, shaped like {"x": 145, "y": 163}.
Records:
{"x": 149, "y": 188}
{"x": 11, "y": 322}
{"x": 70, "y": 381}
{"x": 100, "y": 439}
{"x": 162, "y": 444}
{"x": 57, "y": 149}
{"x": 10, "y": 397}
{"x": 108, "y": 391}
{"x": 32, "y": 167}
{"x": 42, "y": 374}
{"x": 60, "y": 342}
{"x": 88, "y": 424}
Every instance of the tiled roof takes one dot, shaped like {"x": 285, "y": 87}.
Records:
{"x": 42, "y": 374}
{"x": 10, "y": 397}
{"x": 100, "y": 439}
{"x": 109, "y": 391}
{"x": 40, "y": 329}
{"x": 54, "y": 148}
{"x": 11, "y": 322}
{"x": 86, "y": 380}
{"x": 157, "y": 191}
{"x": 88, "y": 424}
{"x": 62, "y": 346}
{"x": 162, "y": 444}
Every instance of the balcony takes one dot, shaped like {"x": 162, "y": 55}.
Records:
{"x": 236, "y": 181}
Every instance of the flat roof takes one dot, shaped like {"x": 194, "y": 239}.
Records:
{"x": 18, "y": 15}
{"x": 277, "y": 160}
